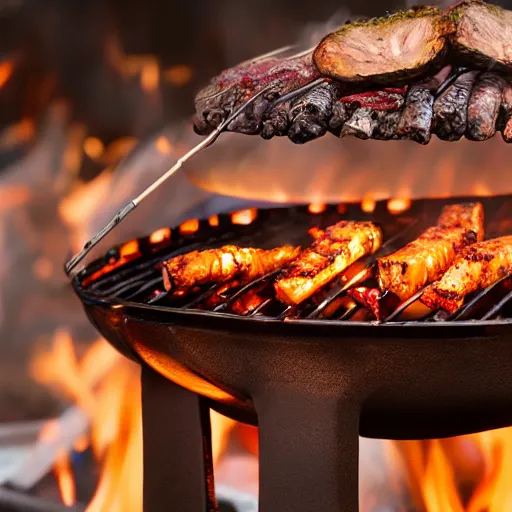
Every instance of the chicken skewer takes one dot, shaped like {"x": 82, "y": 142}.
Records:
{"x": 331, "y": 253}
{"x": 186, "y": 272}
{"x": 476, "y": 268}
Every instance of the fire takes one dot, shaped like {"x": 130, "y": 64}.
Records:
{"x": 150, "y": 76}
{"x": 163, "y": 145}
{"x": 213, "y": 221}
{"x": 317, "y": 208}
{"x": 64, "y": 476}
{"x": 244, "y": 217}
{"x": 6, "y": 69}
{"x": 189, "y": 227}
{"x": 107, "y": 386}
{"x": 368, "y": 205}
{"x": 397, "y": 205}
{"x": 159, "y": 236}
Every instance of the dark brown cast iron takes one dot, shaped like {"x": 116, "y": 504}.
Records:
{"x": 312, "y": 385}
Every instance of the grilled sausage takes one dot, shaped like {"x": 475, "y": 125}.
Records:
{"x": 426, "y": 258}
{"x": 330, "y": 254}
{"x": 476, "y": 268}
{"x": 185, "y": 272}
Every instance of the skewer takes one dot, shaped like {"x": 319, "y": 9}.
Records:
{"x": 126, "y": 210}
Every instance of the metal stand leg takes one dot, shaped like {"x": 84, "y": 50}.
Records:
{"x": 308, "y": 453}
{"x": 178, "y": 472}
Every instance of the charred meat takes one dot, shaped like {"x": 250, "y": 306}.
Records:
{"x": 477, "y": 267}
{"x": 188, "y": 271}
{"x": 426, "y": 258}
{"x": 330, "y": 254}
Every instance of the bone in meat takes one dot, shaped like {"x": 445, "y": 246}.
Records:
{"x": 450, "y": 110}
{"x": 197, "y": 268}
{"x": 330, "y": 254}
{"x": 476, "y": 268}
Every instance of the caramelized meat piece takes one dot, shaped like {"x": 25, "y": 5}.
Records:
{"x": 416, "y": 117}
{"x": 388, "y": 50}
{"x": 426, "y": 258}
{"x": 330, "y": 254}
{"x": 476, "y": 268}
{"x": 197, "y": 268}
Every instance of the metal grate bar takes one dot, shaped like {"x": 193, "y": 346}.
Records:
{"x": 461, "y": 312}
{"x": 498, "y": 307}
{"x": 402, "y": 307}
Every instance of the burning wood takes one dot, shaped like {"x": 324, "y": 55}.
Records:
{"x": 330, "y": 254}
{"x": 186, "y": 272}
{"x": 426, "y": 258}
{"x": 476, "y": 268}
{"x": 335, "y": 87}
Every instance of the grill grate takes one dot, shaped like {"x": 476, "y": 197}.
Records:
{"x": 134, "y": 269}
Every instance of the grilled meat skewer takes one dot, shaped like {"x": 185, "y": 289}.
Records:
{"x": 407, "y": 48}
{"x": 426, "y": 258}
{"x": 476, "y": 268}
{"x": 330, "y": 254}
{"x": 186, "y": 272}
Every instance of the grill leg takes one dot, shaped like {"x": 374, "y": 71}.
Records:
{"x": 178, "y": 473}
{"x": 308, "y": 453}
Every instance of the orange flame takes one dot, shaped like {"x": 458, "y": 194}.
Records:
{"x": 213, "y": 220}
{"x": 6, "y": 69}
{"x": 159, "y": 236}
{"x": 397, "y": 205}
{"x": 317, "y": 208}
{"x": 189, "y": 227}
{"x": 244, "y": 217}
{"x": 178, "y": 75}
{"x": 368, "y": 205}
{"x": 64, "y": 475}
{"x": 93, "y": 147}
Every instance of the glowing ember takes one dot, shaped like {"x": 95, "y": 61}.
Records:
{"x": 6, "y": 69}
{"x": 93, "y": 147}
{"x": 397, "y": 206}
{"x": 20, "y": 133}
{"x": 163, "y": 145}
{"x": 213, "y": 220}
{"x": 178, "y": 75}
{"x": 159, "y": 236}
{"x": 368, "y": 205}
{"x": 244, "y": 217}
{"x": 189, "y": 226}
{"x": 342, "y": 208}
{"x": 317, "y": 208}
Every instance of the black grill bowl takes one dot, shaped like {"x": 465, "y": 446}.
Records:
{"x": 313, "y": 386}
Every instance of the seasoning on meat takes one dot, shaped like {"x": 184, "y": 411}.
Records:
{"x": 330, "y": 254}
{"x": 426, "y": 258}
{"x": 197, "y": 268}
{"x": 476, "y": 268}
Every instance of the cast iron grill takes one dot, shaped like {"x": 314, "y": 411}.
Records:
{"x": 135, "y": 267}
